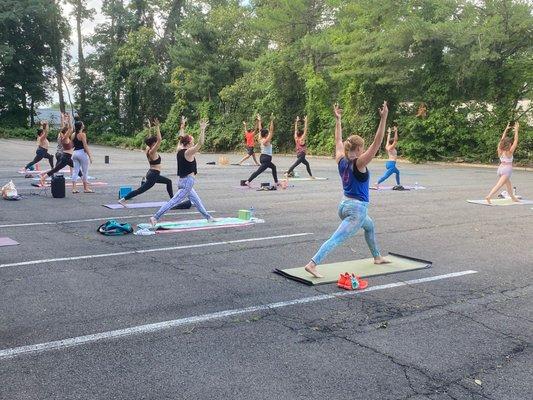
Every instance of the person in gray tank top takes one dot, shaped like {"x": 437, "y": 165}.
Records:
{"x": 265, "y": 160}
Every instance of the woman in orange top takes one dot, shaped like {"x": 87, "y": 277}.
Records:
{"x": 249, "y": 138}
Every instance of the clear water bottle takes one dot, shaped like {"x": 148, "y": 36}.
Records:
{"x": 416, "y": 185}
{"x": 252, "y": 212}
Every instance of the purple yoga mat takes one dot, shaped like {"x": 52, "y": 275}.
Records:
{"x": 5, "y": 241}
{"x": 407, "y": 187}
{"x": 153, "y": 204}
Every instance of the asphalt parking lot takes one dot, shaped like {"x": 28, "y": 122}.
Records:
{"x": 200, "y": 315}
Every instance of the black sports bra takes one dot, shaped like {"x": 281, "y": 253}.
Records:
{"x": 157, "y": 161}
{"x": 78, "y": 144}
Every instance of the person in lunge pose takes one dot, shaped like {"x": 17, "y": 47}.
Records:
{"x": 81, "y": 157}
{"x": 153, "y": 175}
{"x": 506, "y": 149}
{"x": 187, "y": 170}
{"x": 265, "y": 139}
{"x": 249, "y": 139}
{"x": 42, "y": 147}
{"x": 352, "y": 160}
{"x": 64, "y": 140}
{"x": 301, "y": 148}
{"x": 390, "y": 165}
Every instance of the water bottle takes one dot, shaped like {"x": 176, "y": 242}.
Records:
{"x": 514, "y": 190}
{"x": 252, "y": 211}
{"x": 416, "y": 185}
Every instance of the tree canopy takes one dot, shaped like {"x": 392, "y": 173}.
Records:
{"x": 469, "y": 62}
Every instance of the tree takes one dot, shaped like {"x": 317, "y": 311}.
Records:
{"x": 80, "y": 13}
{"x": 24, "y": 58}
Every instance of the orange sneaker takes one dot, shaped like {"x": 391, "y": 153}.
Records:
{"x": 358, "y": 283}
{"x": 344, "y": 281}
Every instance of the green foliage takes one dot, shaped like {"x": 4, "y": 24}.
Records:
{"x": 18, "y": 133}
{"x": 228, "y": 60}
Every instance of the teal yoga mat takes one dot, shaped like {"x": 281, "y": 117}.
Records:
{"x": 199, "y": 224}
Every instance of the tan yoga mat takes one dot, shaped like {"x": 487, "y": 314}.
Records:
{"x": 501, "y": 202}
{"x": 364, "y": 268}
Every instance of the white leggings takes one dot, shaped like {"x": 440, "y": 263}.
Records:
{"x": 81, "y": 161}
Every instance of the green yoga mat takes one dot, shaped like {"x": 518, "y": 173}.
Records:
{"x": 364, "y": 268}
{"x": 200, "y": 223}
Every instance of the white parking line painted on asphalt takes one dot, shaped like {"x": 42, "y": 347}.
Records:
{"x": 159, "y": 326}
{"x": 96, "y": 219}
{"x": 159, "y": 249}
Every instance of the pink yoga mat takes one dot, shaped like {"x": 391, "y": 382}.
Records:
{"x": 39, "y": 172}
{"x": 5, "y": 241}
{"x": 79, "y": 184}
{"x": 407, "y": 187}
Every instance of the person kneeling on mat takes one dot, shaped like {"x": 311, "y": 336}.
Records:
{"x": 187, "y": 169}
{"x": 153, "y": 175}
{"x": 352, "y": 161}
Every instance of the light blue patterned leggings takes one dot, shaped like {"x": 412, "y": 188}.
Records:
{"x": 185, "y": 189}
{"x": 354, "y": 215}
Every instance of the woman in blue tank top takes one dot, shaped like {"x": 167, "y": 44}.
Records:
{"x": 352, "y": 160}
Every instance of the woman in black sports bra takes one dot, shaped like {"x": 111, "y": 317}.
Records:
{"x": 153, "y": 175}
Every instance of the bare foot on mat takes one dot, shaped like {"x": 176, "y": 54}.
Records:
{"x": 311, "y": 268}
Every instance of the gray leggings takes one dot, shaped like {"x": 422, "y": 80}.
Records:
{"x": 81, "y": 161}
{"x": 185, "y": 189}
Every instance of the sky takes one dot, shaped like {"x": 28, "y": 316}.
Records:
{"x": 87, "y": 29}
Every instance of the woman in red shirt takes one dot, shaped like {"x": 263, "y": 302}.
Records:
{"x": 249, "y": 138}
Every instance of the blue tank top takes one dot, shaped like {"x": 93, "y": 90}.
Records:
{"x": 354, "y": 182}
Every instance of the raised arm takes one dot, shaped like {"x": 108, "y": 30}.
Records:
{"x": 270, "y": 129}
{"x": 515, "y": 141}
{"x": 296, "y": 122}
{"x": 191, "y": 151}
{"x": 245, "y": 128}
{"x": 304, "y": 136}
{"x": 387, "y": 145}
{"x": 370, "y": 153}
{"x": 504, "y": 134}
{"x": 158, "y": 136}
{"x": 44, "y": 124}
{"x": 258, "y": 126}
{"x": 69, "y": 124}
{"x": 339, "y": 145}
{"x": 183, "y": 122}
{"x": 395, "y": 128}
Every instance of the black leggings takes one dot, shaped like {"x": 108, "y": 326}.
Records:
{"x": 266, "y": 162}
{"x": 64, "y": 160}
{"x": 69, "y": 162}
{"x": 300, "y": 159}
{"x": 152, "y": 177}
{"x": 39, "y": 155}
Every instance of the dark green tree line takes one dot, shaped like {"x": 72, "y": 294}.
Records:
{"x": 469, "y": 62}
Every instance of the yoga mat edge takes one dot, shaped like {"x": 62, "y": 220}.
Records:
{"x": 308, "y": 282}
